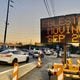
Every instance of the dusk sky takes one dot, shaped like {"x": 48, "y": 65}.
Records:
{"x": 24, "y": 18}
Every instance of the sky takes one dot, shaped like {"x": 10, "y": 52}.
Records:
{"x": 24, "y": 18}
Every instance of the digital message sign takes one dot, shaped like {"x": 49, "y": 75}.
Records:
{"x": 61, "y": 29}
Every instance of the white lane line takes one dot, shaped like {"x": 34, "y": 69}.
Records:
{"x": 19, "y": 67}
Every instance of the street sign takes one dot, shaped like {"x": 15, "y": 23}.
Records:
{"x": 60, "y": 29}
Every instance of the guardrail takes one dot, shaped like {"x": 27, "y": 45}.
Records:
{"x": 24, "y": 69}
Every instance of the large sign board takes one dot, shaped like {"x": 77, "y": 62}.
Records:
{"x": 61, "y": 29}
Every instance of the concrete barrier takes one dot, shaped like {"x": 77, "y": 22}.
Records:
{"x": 7, "y": 75}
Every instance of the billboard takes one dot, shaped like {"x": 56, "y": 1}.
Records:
{"x": 60, "y": 29}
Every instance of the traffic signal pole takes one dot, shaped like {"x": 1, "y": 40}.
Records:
{"x": 6, "y": 24}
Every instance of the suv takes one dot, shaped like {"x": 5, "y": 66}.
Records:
{"x": 12, "y": 56}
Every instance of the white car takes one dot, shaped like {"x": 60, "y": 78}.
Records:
{"x": 36, "y": 53}
{"x": 48, "y": 52}
{"x": 12, "y": 56}
{"x": 67, "y": 53}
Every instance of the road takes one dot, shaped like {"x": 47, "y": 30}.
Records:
{"x": 37, "y": 73}
{"x": 41, "y": 73}
{"x": 4, "y": 67}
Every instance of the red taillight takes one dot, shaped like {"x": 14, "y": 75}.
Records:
{"x": 8, "y": 55}
{"x": 55, "y": 73}
{"x": 79, "y": 67}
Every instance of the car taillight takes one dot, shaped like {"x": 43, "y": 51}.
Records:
{"x": 8, "y": 55}
{"x": 55, "y": 73}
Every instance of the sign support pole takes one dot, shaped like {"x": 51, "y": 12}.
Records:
{"x": 64, "y": 53}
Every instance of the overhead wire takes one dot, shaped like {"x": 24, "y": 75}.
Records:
{"x": 52, "y": 2}
{"x": 47, "y": 7}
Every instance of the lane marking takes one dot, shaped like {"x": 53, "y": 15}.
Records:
{"x": 10, "y": 70}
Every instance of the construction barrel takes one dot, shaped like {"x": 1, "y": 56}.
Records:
{"x": 15, "y": 72}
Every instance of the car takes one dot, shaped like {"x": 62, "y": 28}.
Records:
{"x": 49, "y": 52}
{"x": 31, "y": 52}
{"x": 62, "y": 53}
{"x": 3, "y": 47}
{"x": 12, "y": 56}
{"x": 26, "y": 51}
{"x": 36, "y": 53}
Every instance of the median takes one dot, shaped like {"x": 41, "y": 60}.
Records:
{"x": 24, "y": 69}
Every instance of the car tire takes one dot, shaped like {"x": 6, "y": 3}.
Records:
{"x": 27, "y": 59}
{"x": 14, "y": 61}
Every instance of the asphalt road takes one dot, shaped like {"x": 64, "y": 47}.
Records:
{"x": 41, "y": 73}
{"x": 37, "y": 73}
{"x": 4, "y": 67}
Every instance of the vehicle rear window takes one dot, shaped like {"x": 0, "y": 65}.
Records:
{"x": 4, "y": 52}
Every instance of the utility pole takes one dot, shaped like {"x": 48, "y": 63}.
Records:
{"x": 6, "y": 24}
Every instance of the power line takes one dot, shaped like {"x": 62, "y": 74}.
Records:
{"x": 53, "y": 6}
{"x": 47, "y": 7}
